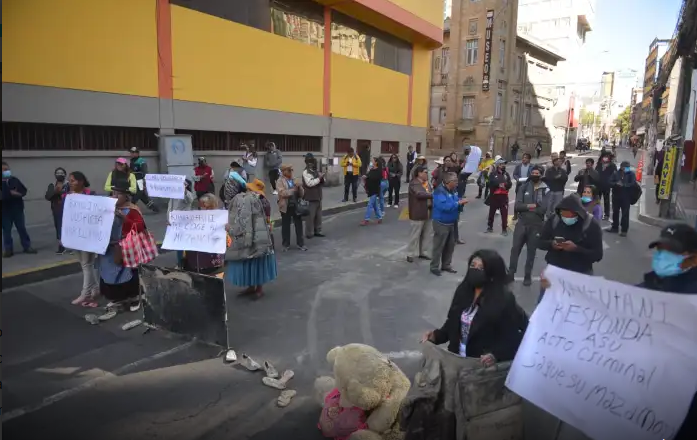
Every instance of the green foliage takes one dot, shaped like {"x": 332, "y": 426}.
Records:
{"x": 587, "y": 118}
{"x": 623, "y": 121}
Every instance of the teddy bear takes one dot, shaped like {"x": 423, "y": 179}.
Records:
{"x": 366, "y": 380}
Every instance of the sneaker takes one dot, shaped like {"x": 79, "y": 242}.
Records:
{"x": 60, "y": 251}
{"x": 436, "y": 272}
{"x": 84, "y": 297}
{"x": 270, "y": 370}
{"x": 424, "y": 257}
{"x": 7, "y": 254}
{"x": 396, "y": 206}
{"x": 623, "y": 234}
{"x": 612, "y": 231}
{"x": 448, "y": 269}
{"x": 286, "y": 248}
{"x": 249, "y": 363}
{"x": 302, "y": 248}
{"x": 410, "y": 259}
{"x": 504, "y": 233}
{"x": 365, "y": 223}
{"x": 275, "y": 192}
{"x": 489, "y": 231}
{"x": 30, "y": 250}
{"x": 389, "y": 205}
{"x": 527, "y": 281}
{"x": 319, "y": 234}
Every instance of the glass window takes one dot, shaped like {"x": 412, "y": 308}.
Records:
{"x": 472, "y": 52}
{"x": 360, "y": 41}
{"x": 445, "y": 53}
{"x": 442, "y": 116}
{"x": 254, "y": 13}
{"x": 436, "y": 64}
{"x": 502, "y": 55}
{"x": 473, "y": 27}
{"x": 299, "y": 20}
{"x": 519, "y": 67}
{"x": 526, "y": 116}
{"x": 499, "y": 102}
{"x": 514, "y": 111}
{"x": 467, "y": 107}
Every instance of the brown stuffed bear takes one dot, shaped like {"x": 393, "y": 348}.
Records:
{"x": 367, "y": 379}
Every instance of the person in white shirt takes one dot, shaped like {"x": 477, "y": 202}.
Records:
{"x": 473, "y": 156}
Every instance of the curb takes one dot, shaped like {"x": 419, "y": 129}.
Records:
{"x": 70, "y": 267}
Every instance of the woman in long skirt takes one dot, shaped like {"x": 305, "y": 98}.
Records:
{"x": 251, "y": 260}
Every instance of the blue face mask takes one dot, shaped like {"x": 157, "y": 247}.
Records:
{"x": 667, "y": 264}
{"x": 627, "y": 169}
{"x": 586, "y": 199}
{"x": 569, "y": 221}
{"x": 6, "y": 174}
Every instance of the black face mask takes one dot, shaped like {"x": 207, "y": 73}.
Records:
{"x": 476, "y": 277}
{"x": 60, "y": 178}
{"x": 535, "y": 179}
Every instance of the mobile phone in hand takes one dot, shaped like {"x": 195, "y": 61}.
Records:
{"x": 559, "y": 239}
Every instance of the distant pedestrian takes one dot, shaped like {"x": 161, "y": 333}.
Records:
{"x": 395, "y": 170}
{"x": 249, "y": 161}
{"x": 13, "y": 193}
{"x": 203, "y": 176}
{"x": 139, "y": 168}
{"x": 531, "y": 205}
{"x": 514, "y": 151}
{"x": 658, "y": 160}
{"x": 606, "y": 169}
{"x": 373, "y": 189}
{"x": 54, "y": 194}
{"x": 483, "y": 178}
{"x": 313, "y": 181}
{"x": 446, "y": 206}
{"x": 624, "y": 187}
{"x": 384, "y": 183}
{"x": 351, "y": 164}
{"x": 538, "y": 149}
{"x": 420, "y": 206}
{"x": 521, "y": 172}
{"x": 566, "y": 163}
{"x": 185, "y": 204}
{"x": 290, "y": 191}
{"x": 364, "y": 155}
{"x": 499, "y": 183}
{"x": 272, "y": 162}
{"x": 411, "y": 161}
{"x": 555, "y": 178}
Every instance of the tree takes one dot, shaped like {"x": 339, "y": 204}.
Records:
{"x": 587, "y": 118}
{"x": 623, "y": 121}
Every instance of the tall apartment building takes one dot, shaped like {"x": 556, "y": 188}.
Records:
{"x": 607, "y": 80}
{"x": 562, "y": 24}
{"x": 625, "y": 82}
{"x": 657, "y": 49}
{"x": 479, "y": 90}
{"x": 439, "y": 95}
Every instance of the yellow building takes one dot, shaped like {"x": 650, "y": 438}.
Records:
{"x": 99, "y": 76}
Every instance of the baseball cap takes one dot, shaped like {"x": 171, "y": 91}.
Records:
{"x": 133, "y": 150}
{"x": 121, "y": 160}
{"x": 678, "y": 238}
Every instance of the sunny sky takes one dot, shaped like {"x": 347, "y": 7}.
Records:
{"x": 625, "y": 28}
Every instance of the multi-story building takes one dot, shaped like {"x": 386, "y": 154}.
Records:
{"x": 562, "y": 24}
{"x": 439, "y": 95}
{"x": 534, "y": 94}
{"x": 479, "y": 88}
{"x": 607, "y": 81}
{"x": 636, "y": 113}
{"x": 85, "y": 80}
{"x": 657, "y": 50}
{"x": 625, "y": 81}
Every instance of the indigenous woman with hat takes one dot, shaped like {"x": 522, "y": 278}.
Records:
{"x": 251, "y": 260}
{"x": 121, "y": 176}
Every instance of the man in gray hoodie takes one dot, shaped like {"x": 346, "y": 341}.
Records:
{"x": 272, "y": 161}
{"x": 531, "y": 202}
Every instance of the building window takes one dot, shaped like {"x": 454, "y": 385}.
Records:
{"x": 526, "y": 116}
{"x": 418, "y": 147}
{"x": 436, "y": 64}
{"x": 499, "y": 103}
{"x": 254, "y": 13}
{"x": 389, "y": 147}
{"x": 514, "y": 111}
{"x": 360, "y": 41}
{"x": 472, "y": 52}
{"x": 342, "y": 145}
{"x": 473, "y": 27}
{"x": 467, "y": 107}
{"x": 445, "y": 53}
{"x": 442, "y": 116}
{"x": 502, "y": 55}
{"x": 519, "y": 67}
{"x": 299, "y": 20}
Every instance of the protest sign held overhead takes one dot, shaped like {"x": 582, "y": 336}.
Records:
{"x": 614, "y": 361}
{"x": 87, "y": 222}
{"x": 166, "y": 186}
{"x": 202, "y": 231}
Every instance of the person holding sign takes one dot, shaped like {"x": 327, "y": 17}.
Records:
{"x": 484, "y": 320}
{"x": 185, "y": 204}
{"x": 117, "y": 282}
{"x": 206, "y": 263}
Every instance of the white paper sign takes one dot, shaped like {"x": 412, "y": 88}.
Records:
{"x": 612, "y": 360}
{"x": 87, "y": 222}
{"x": 202, "y": 231}
{"x": 166, "y": 186}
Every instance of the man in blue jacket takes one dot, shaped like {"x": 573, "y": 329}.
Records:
{"x": 13, "y": 192}
{"x": 446, "y": 206}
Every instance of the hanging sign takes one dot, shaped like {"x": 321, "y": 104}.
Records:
{"x": 488, "y": 35}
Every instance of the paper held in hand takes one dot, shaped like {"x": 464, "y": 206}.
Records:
{"x": 87, "y": 222}
{"x": 166, "y": 186}
{"x": 202, "y": 231}
{"x": 614, "y": 361}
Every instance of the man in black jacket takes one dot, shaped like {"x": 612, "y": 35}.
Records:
{"x": 411, "y": 160}
{"x": 572, "y": 238}
{"x": 587, "y": 176}
{"x": 605, "y": 168}
{"x": 555, "y": 178}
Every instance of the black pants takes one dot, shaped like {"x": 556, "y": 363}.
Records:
{"x": 395, "y": 184}
{"x": 286, "y": 218}
{"x": 273, "y": 177}
{"x": 620, "y": 205}
{"x": 462, "y": 179}
{"x": 57, "y": 223}
{"x": 485, "y": 189}
{"x": 605, "y": 195}
{"x": 538, "y": 154}
{"x": 410, "y": 166}
{"x": 143, "y": 197}
{"x": 658, "y": 186}
{"x": 350, "y": 181}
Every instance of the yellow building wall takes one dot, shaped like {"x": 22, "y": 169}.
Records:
{"x": 421, "y": 87}
{"x": 367, "y": 92}
{"x": 98, "y": 45}
{"x": 429, "y": 10}
{"x": 220, "y": 62}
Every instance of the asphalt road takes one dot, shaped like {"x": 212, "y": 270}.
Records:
{"x": 66, "y": 379}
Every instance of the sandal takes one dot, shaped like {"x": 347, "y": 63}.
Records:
{"x": 89, "y": 304}
{"x": 108, "y": 315}
{"x": 285, "y": 398}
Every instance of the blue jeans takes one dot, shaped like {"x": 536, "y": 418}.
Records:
{"x": 14, "y": 217}
{"x": 373, "y": 206}
{"x": 384, "y": 185}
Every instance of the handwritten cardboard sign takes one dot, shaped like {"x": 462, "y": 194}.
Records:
{"x": 87, "y": 222}
{"x": 202, "y": 231}
{"x": 612, "y": 360}
{"x": 166, "y": 186}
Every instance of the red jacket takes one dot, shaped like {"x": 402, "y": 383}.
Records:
{"x": 204, "y": 184}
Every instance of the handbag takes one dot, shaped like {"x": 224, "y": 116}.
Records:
{"x": 302, "y": 208}
{"x": 138, "y": 248}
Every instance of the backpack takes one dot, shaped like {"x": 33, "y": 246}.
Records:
{"x": 586, "y": 224}
{"x": 634, "y": 193}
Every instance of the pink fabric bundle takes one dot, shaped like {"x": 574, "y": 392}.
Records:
{"x": 337, "y": 422}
